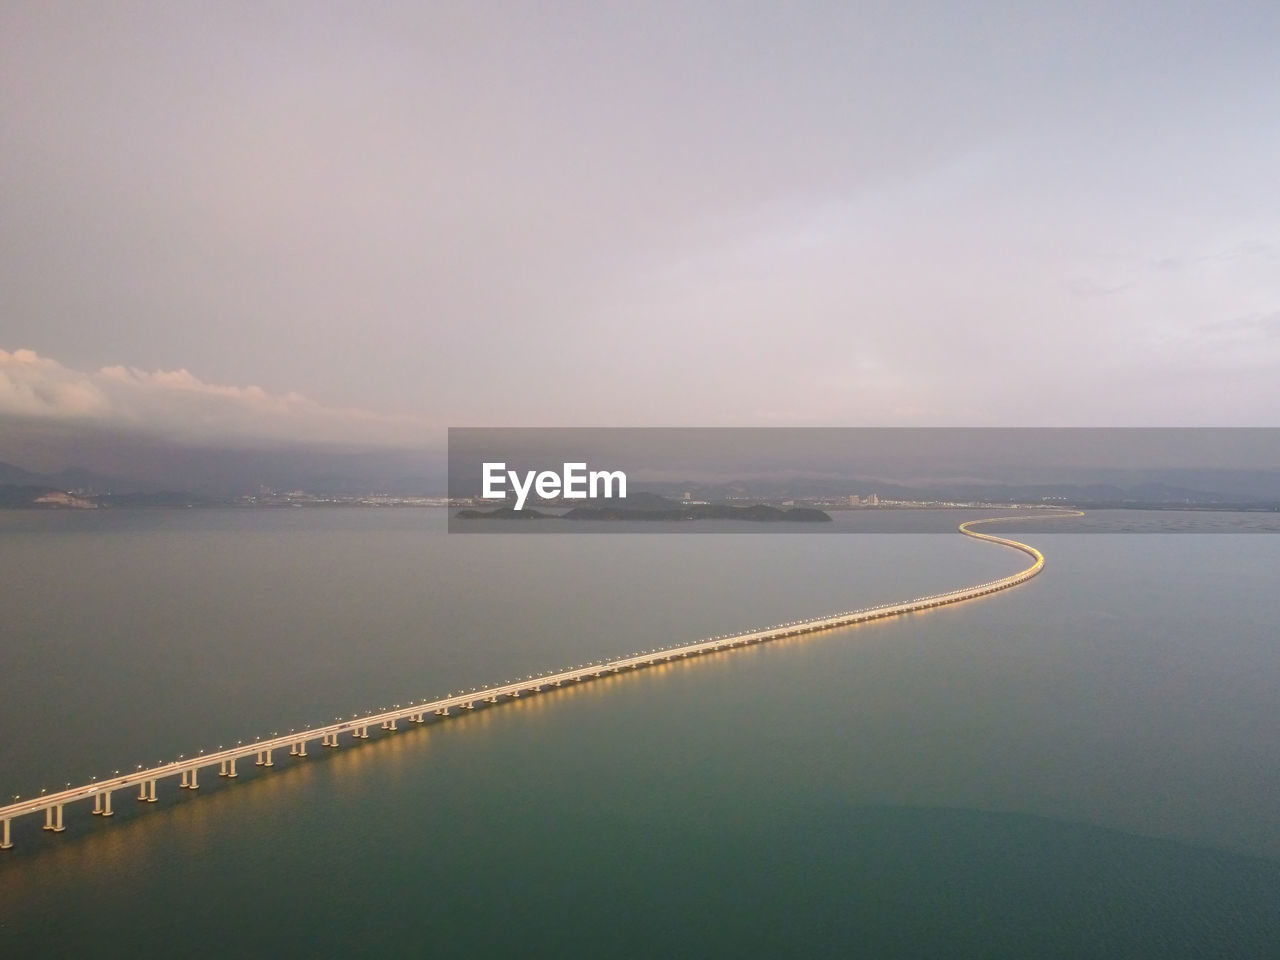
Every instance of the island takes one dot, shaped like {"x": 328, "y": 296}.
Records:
{"x": 652, "y": 507}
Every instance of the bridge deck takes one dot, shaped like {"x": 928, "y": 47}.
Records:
{"x": 261, "y": 749}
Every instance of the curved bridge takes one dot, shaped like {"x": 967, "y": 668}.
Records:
{"x": 187, "y": 770}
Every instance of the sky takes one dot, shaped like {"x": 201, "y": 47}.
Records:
{"x": 337, "y": 223}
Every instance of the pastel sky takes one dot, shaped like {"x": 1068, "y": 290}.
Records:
{"x": 331, "y": 221}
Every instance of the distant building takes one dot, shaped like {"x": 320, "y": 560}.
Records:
{"x": 872, "y": 499}
{"x": 854, "y": 500}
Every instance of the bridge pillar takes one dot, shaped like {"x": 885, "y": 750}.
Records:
{"x": 53, "y": 818}
{"x": 193, "y": 785}
{"x": 293, "y": 749}
{"x": 392, "y": 726}
{"x": 363, "y": 734}
{"x": 302, "y": 748}
{"x": 267, "y": 762}
{"x": 515, "y": 693}
{"x": 185, "y": 782}
{"x": 231, "y": 769}
{"x": 469, "y": 705}
{"x": 493, "y": 699}
{"x": 5, "y": 842}
{"x": 97, "y": 804}
{"x": 106, "y": 805}
{"x": 443, "y": 712}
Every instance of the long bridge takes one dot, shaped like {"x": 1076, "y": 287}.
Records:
{"x": 188, "y": 770}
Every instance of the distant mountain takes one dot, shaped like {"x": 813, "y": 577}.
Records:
{"x": 72, "y": 478}
{"x": 16, "y": 476}
{"x": 1237, "y": 488}
{"x": 18, "y": 495}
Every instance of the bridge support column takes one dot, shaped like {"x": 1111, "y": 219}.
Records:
{"x": 302, "y": 748}
{"x": 444, "y": 712}
{"x": 5, "y": 842}
{"x": 97, "y": 804}
{"x": 293, "y": 749}
{"x": 267, "y": 762}
{"x": 468, "y": 705}
{"x": 392, "y": 725}
{"x": 106, "y": 805}
{"x": 53, "y": 818}
{"x": 362, "y": 733}
{"x": 193, "y": 785}
{"x": 185, "y": 782}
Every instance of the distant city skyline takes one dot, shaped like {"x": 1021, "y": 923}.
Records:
{"x": 229, "y": 226}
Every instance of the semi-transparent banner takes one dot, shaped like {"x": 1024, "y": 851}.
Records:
{"x": 869, "y": 480}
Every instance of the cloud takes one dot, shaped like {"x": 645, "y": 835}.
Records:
{"x": 1265, "y": 326}
{"x": 178, "y": 405}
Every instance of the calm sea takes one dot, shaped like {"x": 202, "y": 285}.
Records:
{"x": 1087, "y": 766}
